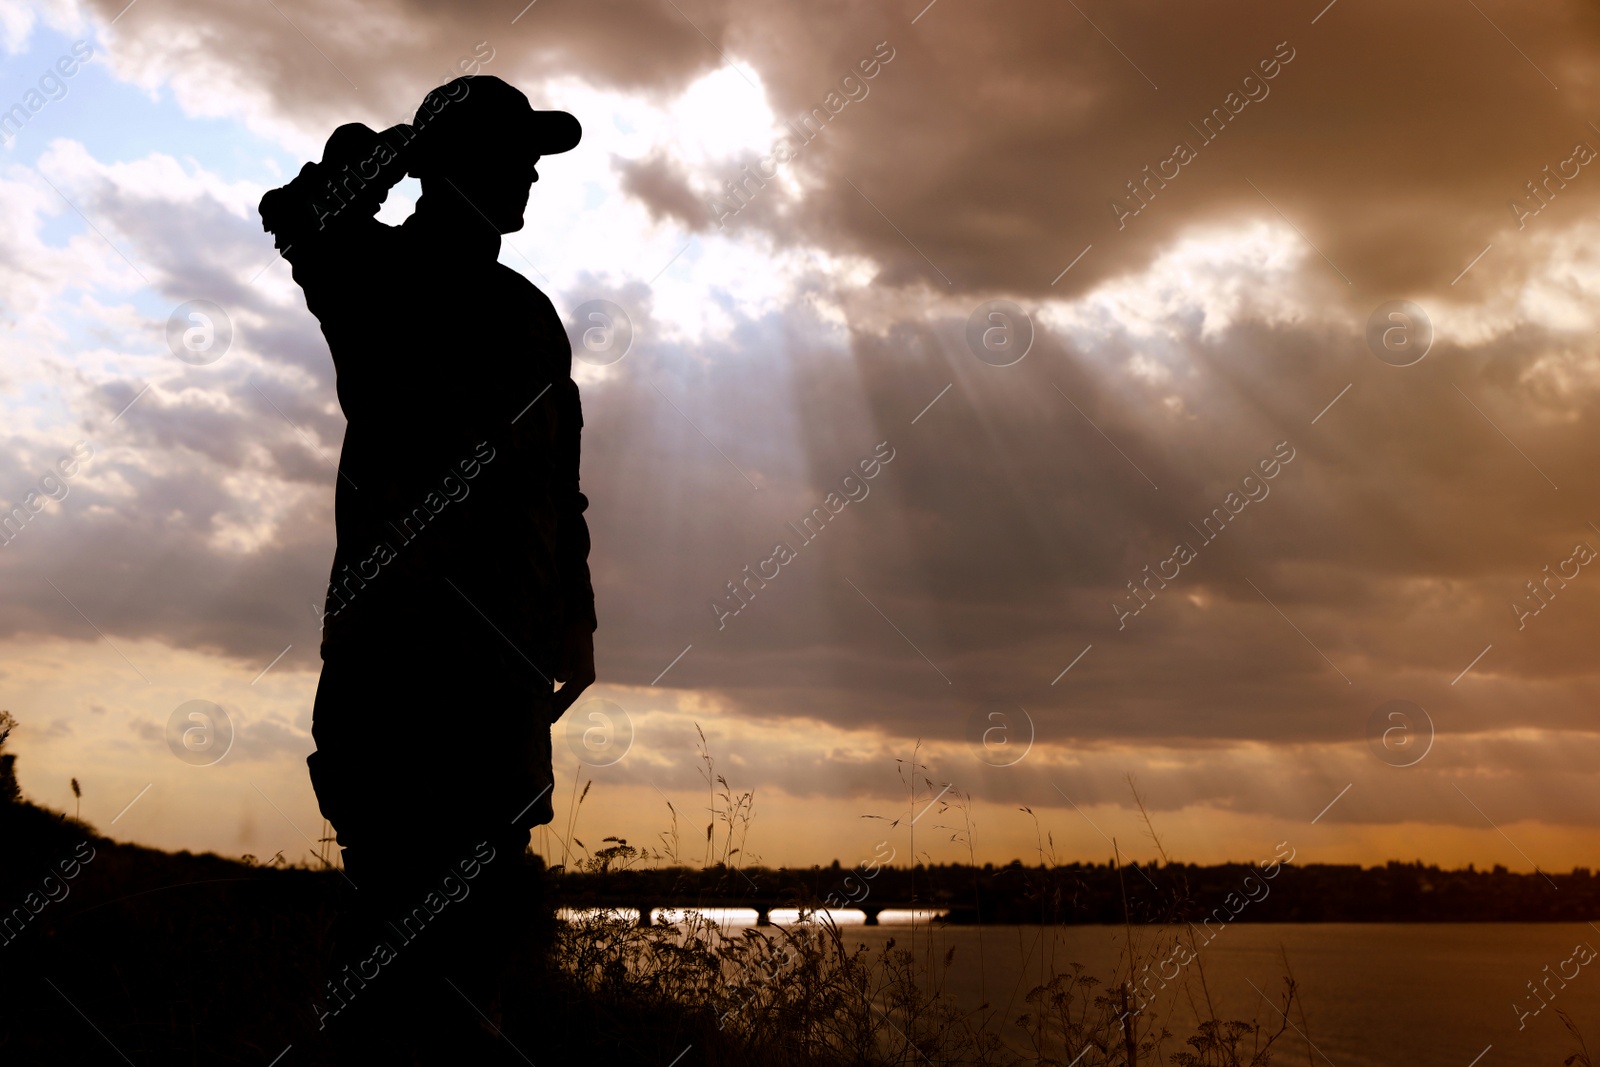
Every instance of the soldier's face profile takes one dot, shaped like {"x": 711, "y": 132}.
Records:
{"x": 497, "y": 183}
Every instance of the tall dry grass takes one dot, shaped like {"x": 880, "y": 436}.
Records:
{"x": 803, "y": 995}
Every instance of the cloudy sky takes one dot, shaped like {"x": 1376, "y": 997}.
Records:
{"x": 1193, "y": 217}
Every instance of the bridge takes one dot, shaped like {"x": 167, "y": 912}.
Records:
{"x": 762, "y": 906}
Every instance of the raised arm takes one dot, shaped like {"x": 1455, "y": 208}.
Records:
{"x": 317, "y": 219}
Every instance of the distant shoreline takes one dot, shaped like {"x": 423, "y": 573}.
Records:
{"x": 1094, "y": 894}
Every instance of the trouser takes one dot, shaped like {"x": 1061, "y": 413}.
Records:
{"x": 418, "y": 950}
{"x": 407, "y": 746}
{"x": 431, "y": 786}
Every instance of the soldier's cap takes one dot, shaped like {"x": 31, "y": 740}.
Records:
{"x": 463, "y": 117}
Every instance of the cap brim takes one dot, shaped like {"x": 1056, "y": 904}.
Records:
{"x": 553, "y": 132}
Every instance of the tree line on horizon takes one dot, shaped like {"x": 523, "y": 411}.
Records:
{"x": 1090, "y": 893}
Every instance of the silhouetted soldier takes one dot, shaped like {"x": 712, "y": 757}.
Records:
{"x": 460, "y": 589}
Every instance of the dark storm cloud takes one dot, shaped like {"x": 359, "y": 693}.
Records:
{"x": 1289, "y": 781}
{"x": 144, "y": 565}
{"x": 1393, "y": 138}
{"x": 325, "y": 65}
{"x": 1009, "y": 523}
{"x": 659, "y": 183}
{"x": 999, "y": 135}
{"x": 139, "y": 546}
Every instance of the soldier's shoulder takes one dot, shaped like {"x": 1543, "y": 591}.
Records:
{"x": 524, "y": 286}
{"x": 531, "y": 297}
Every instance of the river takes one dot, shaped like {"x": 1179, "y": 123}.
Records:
{"x": 1373, "y": 994}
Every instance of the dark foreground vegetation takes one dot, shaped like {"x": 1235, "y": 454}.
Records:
{"x": 155, "y": 958}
